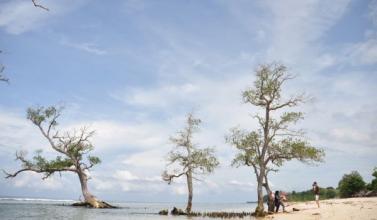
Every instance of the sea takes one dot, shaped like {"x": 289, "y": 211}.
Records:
{"x": 40, "y": 209}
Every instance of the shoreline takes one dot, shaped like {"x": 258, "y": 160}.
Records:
{"x": 349, "y": 208}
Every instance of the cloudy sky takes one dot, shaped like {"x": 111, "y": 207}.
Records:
{"x": 131, "y": 70}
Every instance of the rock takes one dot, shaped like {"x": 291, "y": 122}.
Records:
{"x": 371, "y": 194}
{"x": 295, "y": 209}
{"x": 163, "y": 212}
{"x": 176, "y": 211}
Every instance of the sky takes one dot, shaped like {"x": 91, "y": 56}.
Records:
{"x": 131, "y": 70}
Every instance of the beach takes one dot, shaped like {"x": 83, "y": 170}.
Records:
{"x": 351, "y": 208}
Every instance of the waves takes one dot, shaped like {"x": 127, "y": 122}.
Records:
{"x": 35, "y": 199}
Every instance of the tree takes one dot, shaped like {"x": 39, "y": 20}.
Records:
{"x": 274, "y": 142}
{"x": 350, "y": 184}
{"x": 373, "y": 184}
{"x": 189, "y": 158}
{"x": 71, "y": 147}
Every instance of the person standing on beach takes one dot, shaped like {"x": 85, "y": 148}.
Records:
{"x": 316, "y": 192}
{"x": 277, "y": 201}
{"x": 283, "y": 200}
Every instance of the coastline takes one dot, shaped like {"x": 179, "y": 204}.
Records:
{"x": 350, "y": 208}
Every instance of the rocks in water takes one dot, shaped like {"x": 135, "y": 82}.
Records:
{"x": 163, "y": 212}
{"x": 176, "y": 211}
{"x": 226, "y": 214}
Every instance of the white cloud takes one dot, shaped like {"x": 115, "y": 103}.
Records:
{"x": 18, "y": 133}
{"x": 297, "y": 25}
{"x": 85, "y": 46}
{"x": 151, "y": 158}
{"x": 180, "y": 190}
{"x": 349, "y": 134}
{"x": 19, "y": 16}
{"x": 125, "y": 175}
{"x": 364, "y": 52}
{"x": 241, "y": 184}
{"x": 34, "y": 181}
{"x": 373, "y": 11}
{"x": 161, "y": 97}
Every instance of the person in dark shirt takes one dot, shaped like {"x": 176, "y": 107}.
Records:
{"x": 277, "y": 201}
{"x": 316, "y": 192}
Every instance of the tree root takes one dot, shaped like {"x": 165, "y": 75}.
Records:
{"x": 95, "y": 204}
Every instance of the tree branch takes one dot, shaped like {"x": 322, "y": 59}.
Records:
{"x": 169, "y": 177}
{"x": 39, "y": 6}
{"x": 47, "y": 172}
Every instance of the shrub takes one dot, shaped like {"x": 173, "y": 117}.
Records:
{"x": 351, "y": 184}
{"x": 330, "y": 192}
{"x": 373, "y": 185}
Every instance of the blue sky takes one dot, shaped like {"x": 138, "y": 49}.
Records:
{"x": 132, "y": 69}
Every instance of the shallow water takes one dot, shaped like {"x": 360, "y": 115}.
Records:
{"x": 61, "y": 209}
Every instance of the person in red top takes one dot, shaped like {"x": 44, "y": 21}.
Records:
{"x": 316, "y": 192}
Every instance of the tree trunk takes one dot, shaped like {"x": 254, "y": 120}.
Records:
{"x": 270, "y": 201}
{"x": 259, "y": 210}
{"x": 267, "y": 187}
{"x": 190, "y": 191}
{"x": 90, "y": 199}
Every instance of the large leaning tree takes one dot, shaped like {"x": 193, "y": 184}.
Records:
{"x": 73, "y": 150}
{"x": 276, "y": 140}
{"x": 190, "y": 160}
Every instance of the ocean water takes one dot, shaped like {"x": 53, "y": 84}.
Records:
{"x": 39, "y": 209}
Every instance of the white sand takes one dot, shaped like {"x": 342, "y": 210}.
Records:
{"x": 353, "y": 208}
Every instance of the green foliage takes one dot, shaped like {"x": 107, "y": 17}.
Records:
{"x": 351, "y": 184}
{"x": 330, "y": 192}
{"x": 94, "y": 160}
{"x": 267, "y": 86}
{"x": 308, "y": 195}
{"x": 373, "y": 184}
{"x": 247, "y": 144}
{"x": 187, "y": 155}
{"x": 43, "y": 165}
{"x": 42, "y": 114}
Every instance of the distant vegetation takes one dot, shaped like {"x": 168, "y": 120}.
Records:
{"x": 351, "y": 185}
{"x": 324, "y": 193}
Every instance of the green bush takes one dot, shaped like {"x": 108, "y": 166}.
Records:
{"x": 351, "y": 184}
{"x": 330, "y": 193}
{"x": 373, "y": 185}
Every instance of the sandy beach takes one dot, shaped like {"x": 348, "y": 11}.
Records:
{"x": 352, "y": 208}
